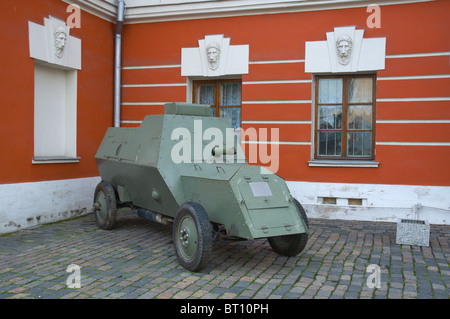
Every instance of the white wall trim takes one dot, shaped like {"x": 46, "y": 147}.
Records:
{"x": 130, "y": 122}
{"x": 413, "y": 99}
{"x": 105, "y": 9}
{"x": 143, "y": 103}
{"x": 146, "y": 11}
{"x": 26, "y": 205}
{"x": 379, "y": 202}
{"x": 417, "y": 55}
{"x": 277, "y": 102}
{"x": 144, "y": 67}
{"x": 414, "y": 77}
{"x": 277, "y": 82}
{"x": 276, "y": 142}
{"x": 413, "y": 121}
{"x": 149, "y": 85}
{"x": 42, "y": 43}
{"x": 414, "y": 143}
{"x": 229, "y": 60}
{"x": 277, "y": 61}
{"x": 342, "y": 163}
{"x": 359, "y": 54}
{"x": 276, "y": 122}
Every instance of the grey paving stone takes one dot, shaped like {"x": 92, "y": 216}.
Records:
{"x": 137, "y": 260}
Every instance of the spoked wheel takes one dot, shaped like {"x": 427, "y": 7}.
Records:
{"x": 105, "y": 205}
{"x": 291, "y": 245}
{"x": 192, "y": 236}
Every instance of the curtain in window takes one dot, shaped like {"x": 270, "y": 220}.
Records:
{"x": 205, "y": 94}
{"x": 231, "y": 95}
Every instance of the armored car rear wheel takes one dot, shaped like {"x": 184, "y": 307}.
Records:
{"x": 105, "y": 205}
{"x": 291, "y": 245}
{"x": 192, "y": 236}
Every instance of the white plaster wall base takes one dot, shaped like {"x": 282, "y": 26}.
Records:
{"x": 386, "y": 203}
{"x": 26, "y": 205}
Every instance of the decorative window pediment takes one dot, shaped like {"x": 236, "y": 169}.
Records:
{"x": 345, "y": 50}
{"x": 52, "y": 43}
{"x": 214, "y": 57}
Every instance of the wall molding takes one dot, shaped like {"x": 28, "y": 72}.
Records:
{"x": 213, "y": 57}
{"x": 413, "y": 143}
{"x": 345, "y": 50}
{"x": 105, "y": 9}
{"x": 145, "y": 11}
{"x": 277, "y": 102}
{"x": 148, "y": 11}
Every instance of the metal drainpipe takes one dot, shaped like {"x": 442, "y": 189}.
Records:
{"x": 117, "y": 61}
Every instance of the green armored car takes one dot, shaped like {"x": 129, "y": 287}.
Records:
{"x": 188, "y": 169}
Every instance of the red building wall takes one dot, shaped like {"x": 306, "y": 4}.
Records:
{"x": 408, "y": 28}
{"x": 94, "y": 100}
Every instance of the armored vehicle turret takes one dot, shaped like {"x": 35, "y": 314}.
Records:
{"x": 188, "y": 169}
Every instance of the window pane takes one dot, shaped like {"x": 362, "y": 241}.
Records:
{"x": 360, "y": 117}
{"x": 230, "y": 94}
{"x": 359, "y": 144}
{"x": 360, "y": 90}
{"x": 330, "y": 117}
{"x": 329, "y": 143}
{"x": 205, "y": 94}
{"x": 233, "y": 114}
{"x": 330, "y": 90}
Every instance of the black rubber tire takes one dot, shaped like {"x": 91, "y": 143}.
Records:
{"x": 196, "y": 253}
{"x": 291, "y": 245}
{"x": 302, "y": 212}
{"x": 106, "y": 201}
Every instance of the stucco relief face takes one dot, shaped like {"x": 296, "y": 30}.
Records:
{"x": 60, "y": 42}
{"x": 213, "y": 55}
{"x": 344, "y": 49}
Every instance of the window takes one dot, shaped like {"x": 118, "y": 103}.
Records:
{"x": 224, "y": 97}
{"x": 345, "y": 117}
{"x": 55, "y": 112}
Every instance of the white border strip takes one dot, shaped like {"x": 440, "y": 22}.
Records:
{"x": 413, "y": 99}
{"x": 276, "y": 122}
{"x": 417, "y": 55}
{"x": 130, "y": 122}
{"x": 276, "y": 142}
{"x": 277, "y": 61}
{"x": 392, "y": 56}
{"x": 277, "y": 102}
{"x": 277, "y": 82}
{"x": 414, "y": 143}
{"x": 340, "y": 163}
{"x": 413, "y": 121}
{"x": 414, "y": 77}
{"x": 152, "y": 85}
{"x": 145, "y": 67}
{"x": 137, "y": 12}
{"x": 143, "y": 103}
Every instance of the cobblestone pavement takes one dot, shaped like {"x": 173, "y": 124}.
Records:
{"x": 137, "y": 260}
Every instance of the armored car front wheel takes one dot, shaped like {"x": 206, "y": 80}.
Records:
{"x": 105, "y": 205}
{"x": 192, "y": 236}
{"x": 291, "y": 245}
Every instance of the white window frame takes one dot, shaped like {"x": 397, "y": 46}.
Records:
{"x": 55, "y": 115}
